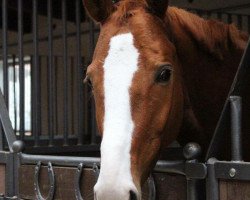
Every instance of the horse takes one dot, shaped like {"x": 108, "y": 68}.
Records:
{"x": 158, "y": 74}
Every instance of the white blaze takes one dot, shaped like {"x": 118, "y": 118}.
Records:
{"x": 119, "y": 68}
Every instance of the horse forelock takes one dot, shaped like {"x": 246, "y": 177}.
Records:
{"x": 126, "y": 8}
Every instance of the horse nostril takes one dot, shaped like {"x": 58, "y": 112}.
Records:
{"x": 132, "y": 195}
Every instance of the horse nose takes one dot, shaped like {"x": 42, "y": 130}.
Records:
{"x": 133, "y": 195}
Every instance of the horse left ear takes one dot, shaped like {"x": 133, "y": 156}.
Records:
{"x": 99, "y": 10}
{"x": 159, "y": 7}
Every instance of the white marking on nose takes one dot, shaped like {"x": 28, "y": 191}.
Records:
{"x": 119, "y": 68}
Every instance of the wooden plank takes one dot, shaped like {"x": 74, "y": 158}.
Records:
{"x": 169, "y": 187}
{"x": 231, "y": 190}
{"x": 2, "y": 179}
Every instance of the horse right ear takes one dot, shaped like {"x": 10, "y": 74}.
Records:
{"x": 99, "y": 10}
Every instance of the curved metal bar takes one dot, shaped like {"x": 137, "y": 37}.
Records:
{"x": 152, "y": 188}
{"x": 78, "y": 194}
{"x": 51, "y": 181}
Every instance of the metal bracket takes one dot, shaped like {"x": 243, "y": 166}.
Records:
{"x": 51, "y": 181}
{"x": 96, "y": 170}
{"x": 78, "y": 194}
{"x": 152, "y": 189}
{"x": 195, "y": 170}
{"x": 232, "y": 170}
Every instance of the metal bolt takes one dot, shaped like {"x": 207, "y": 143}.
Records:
{"x": 232, "y": 172}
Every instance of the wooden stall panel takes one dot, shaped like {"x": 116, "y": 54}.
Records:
{"x": 169, "y": 187}
{"x": 2, "y": 179}
{"x": 234, "y": 190}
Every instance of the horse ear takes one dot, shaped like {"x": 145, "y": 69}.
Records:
{"x": 159, "y": 7}
{"x": 99, "y": 10}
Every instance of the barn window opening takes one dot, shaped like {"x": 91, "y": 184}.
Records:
{"x": 14, "y": 92}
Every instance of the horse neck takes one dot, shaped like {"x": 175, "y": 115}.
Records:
{"x": 209, "y": 53}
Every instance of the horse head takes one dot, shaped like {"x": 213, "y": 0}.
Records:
{"x": 138, "y": 93}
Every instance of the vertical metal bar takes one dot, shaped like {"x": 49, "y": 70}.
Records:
{"x": 91, "y": 39}
{"x": 21, "y": 69}
{"x": 229, "y": 18}
{"x": 5, "y": 49}
{"x": 9, "y": 175}
{"x": 192, "y": 193}
{"x": 65, "y": 66}
{"x": 212, "y": 185}
{"x": 91, "y": 50}
{"x": 1, "y": 138}
{"x": 239, "y": 21}
{"x": 219, "y": 16}
{"x": 248, "y": 24}
{"x": 79, "y": 74}
{"x": 14, "y": 87}
{"x": 50, "y": 75}
{"x": 55, "y": 92}
{"x": 236, "y": 147}
{"x": 72, "y": 105}
{"x": 34, "y": 69}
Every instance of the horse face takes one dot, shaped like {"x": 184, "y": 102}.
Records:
{"x": 138, "y": 98}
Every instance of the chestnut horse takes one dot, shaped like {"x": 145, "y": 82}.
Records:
{"x": 157, "y": 73}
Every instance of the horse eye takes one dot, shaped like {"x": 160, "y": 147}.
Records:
{"x": 164, "y": 74}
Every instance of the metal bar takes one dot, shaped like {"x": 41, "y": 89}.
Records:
{"x": 59, "y": 160}
{"x": 50, "y": 75}
{"x": 248, "y": 24}
{"x": 79, "y": 74}
{"x": 231, "y": 170}
{"x": 14, "y": 87}
{"x": 161, "y": 166}
{"x": 65, "y": 66}
{"x": 9, "y": 175}
{"x": 72, "y": 87}
{"x": 236, "y": 147}
{"x": 5, "y": 49}
{"x": 91, "y": 50}
{"x": 1, "y": 138}
{"x": 56, "y": 96}
{"x": 21, "y": 69}
{"x": 229, "y": 18}
{"x": 6, "y": 123}
{"x": 55, "y": 37}
{"x": 177, "y": 167}
{"x": 237, "y": 87}
{"x": 219, "y": 16}
{"x": 192, "y": 193}
{"x": 35, "y": 81}
{"x": 239, "y": 22}
{"x": 212, "y": 185}
{"x": 91, "y": 40}
{"x": 16, "y": 164}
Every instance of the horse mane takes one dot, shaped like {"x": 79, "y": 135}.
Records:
{"x": 216, "y": 37}
{"x": 125, "y": 8}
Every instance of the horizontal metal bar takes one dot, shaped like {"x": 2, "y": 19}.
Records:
{"x": 232, "y": 170}
{"x": 55, "y": 37}
{"x": 177, "y": 167}
{"x": 59, "y": 160}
